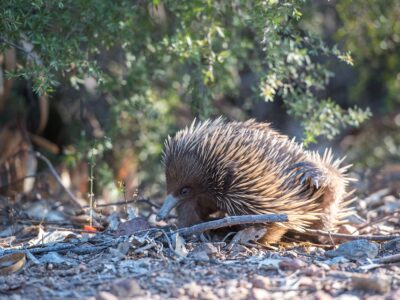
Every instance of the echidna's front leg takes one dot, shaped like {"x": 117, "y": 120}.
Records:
{"x": 188, "y": 214}
{"x": 191, "y": 212}
{"x": 274, "y": 234}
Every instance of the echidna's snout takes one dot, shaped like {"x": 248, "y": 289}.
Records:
{"x": 170, "y": 203}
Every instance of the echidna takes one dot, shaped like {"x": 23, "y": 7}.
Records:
{"x": 247, "y": 167}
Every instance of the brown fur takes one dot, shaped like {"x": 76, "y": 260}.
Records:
{"x": 249, "y": 168}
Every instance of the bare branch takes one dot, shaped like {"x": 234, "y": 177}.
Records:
{"x": 231, "y": 221}
{"x": 123, "y": 202}
{"x": 395, "y": 258}
{"x": 16, "y": 46}
{"x": 314, "y": 232}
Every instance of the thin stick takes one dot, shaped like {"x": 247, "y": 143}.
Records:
{"x": 16, "y": 46}
{"x": 53, "y": 171}
{"x": 123, "y": 202}
{"x": 387, "y": 259}
{"x": 62, "y": 247}
{"x": 379, "y": 220}
{"x": 125, "y": 199}
{"x": 91, "y": 195}
{"x": 56, "y": 248}
{"x": 231, "y": 221}
{"x": 315, "y": 232}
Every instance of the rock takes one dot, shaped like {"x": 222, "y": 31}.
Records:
{"x": 199, "y": 255}
{"x": 54, "y": 258}
{"x": 305, "y": 281}
{"x": 203, "y": 251}
{"x": 292, "y": 264}
{"x": 393, "y": 295}
{"x": 208, "y": 295}
{"x": 177, "y": 293}
{"x": 320, "y": 295}
{"x": 259, "y": 294}
{"x": 193, "y": 290}
{"x": 393, "y": 245}
{"x": 313, "y": 270}
{"x": 379, "y": 284}
{"x": 261, "y": 282}
{"x": 347, "y": 297}
{"x": 336, "y": 261}
{"x": 355, "y": 250}
{"x": 125, "y": 288}
{"x": 130, "y": 227}
{"x": 124, "y": 247}
{"x": 105, "y": 296}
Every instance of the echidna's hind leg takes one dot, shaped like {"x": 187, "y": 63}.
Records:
{"x": 333, "y": 193}
{"x": 322, "y": 179}
{"x": 331, "y": 188}
{"x": 273, "y": 235}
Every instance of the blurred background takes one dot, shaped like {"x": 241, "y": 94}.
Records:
{"x": 96, "y": 86}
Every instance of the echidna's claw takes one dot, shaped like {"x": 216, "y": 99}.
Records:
{"x": 315, "y": 182}
{"x": 308, "y": 172}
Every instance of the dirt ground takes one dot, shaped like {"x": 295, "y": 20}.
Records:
{"x": 133, "y": 257}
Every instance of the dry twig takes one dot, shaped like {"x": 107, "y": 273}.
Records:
{"x": 315, "y": 232}
{"x": 388, "y": 259}
{"x": 231, "y": 221}
{"x": 382, "y": 219}
{"x": 123, "y": 202}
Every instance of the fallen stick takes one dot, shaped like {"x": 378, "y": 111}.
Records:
{"x": 63, "y": 247}
{"x": 388, "y": 259}
{"x": 315, "y": 232}
{"x": 231, "y": 221}
{"x": 52, "y": 248}
{"x": 123, "y": 202}
{"x": 394, "y": 214}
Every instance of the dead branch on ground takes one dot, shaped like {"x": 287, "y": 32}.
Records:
{"x": 231, "y": 221}
{"x": 315, "y": 232}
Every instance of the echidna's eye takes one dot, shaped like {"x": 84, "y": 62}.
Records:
{"x": 184, "y": 191}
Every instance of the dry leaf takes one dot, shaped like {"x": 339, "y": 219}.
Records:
{"x": 179, "y": 244}
{"x": 252, "y": 233}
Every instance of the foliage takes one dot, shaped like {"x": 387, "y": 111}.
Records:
{"x": 149, "y": 57}
{"x": 371, "y": 30}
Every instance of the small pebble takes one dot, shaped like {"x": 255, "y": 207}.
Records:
{"x": 208, "y": 295}
{"x": 259, "y": 294}
{"x": 395, "y": 295}
{"x": 193, "y": 289}
{"x": 320, "y": 295}
{"x": 347, "y": 297}
{"x": 393, "y": 245}
{"x": 291, "y": 264}
{"x": 127, "y": 287}
{"x": 105, "y": 296}
{"x": 378, "y": 284}
{"x": 261, "y": 282}
{"x": 355, "y": 250}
